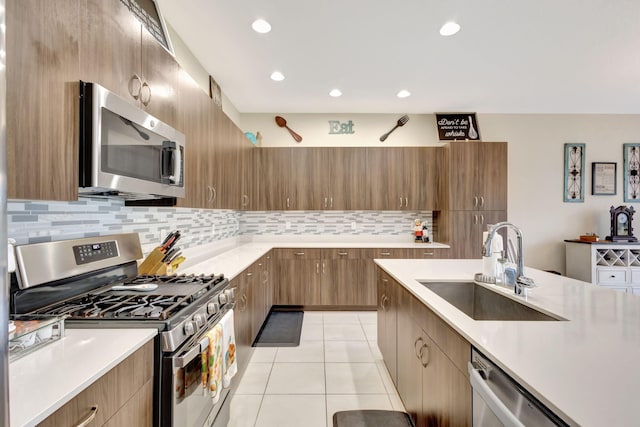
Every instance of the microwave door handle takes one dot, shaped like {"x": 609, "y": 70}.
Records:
{"x": 171, "y": 167}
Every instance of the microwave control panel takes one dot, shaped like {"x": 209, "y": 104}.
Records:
{"x": 92, "y": 252}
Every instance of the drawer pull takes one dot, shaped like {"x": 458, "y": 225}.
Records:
{"x": 385, "y": 253}
{"x": 299, "y": 253}
{"x": 428, "y": 253}
{"x": 90, "y": 418}
{"x": 249, "y": 274}
{"x": 343, "y": 253}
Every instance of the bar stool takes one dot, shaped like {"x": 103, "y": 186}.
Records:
{"x": 371, "y": 418}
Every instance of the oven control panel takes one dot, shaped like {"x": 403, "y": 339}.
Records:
{"x": 95, "y": 252}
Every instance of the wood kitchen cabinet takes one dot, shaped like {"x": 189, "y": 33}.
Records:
{"x": 432, "y": 378}
{"x": 242, "y": 317}
{"x": 387, "y": 310}
{"x": 405, "y": 178}
{"x": 43, "y": 70}
{"x": 477, "y": 176}
{"x": 123, "y": 396}
{"x": 118, "y": 53}
{"x": 278, "y": 191}
{"x": 298, "y": 276}
{"x": 466, "y": 228}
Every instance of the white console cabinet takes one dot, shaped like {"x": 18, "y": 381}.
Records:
{"x": 614, "y": 265}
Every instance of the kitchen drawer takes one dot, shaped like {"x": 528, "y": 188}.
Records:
{"x": 635, "y": 276}
{"x": 383, "y": 253}
{"x": 611, "y": 276}
{"x": 343, "y": 253}
{"x": 427, "y": 253}
{"x": 298, "y": 253}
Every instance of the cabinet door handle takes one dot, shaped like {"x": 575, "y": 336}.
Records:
{"x": 406, "y": 202}
{"x": 298, "y": 253}
{"x": 323, "y": 268}
{"x": 383, "y": 301}
{"x": 481, "y": 201}
{"x": 135, "y": 86}
{"x": 287, "y": 203}
{"x": 145, "y": 89}
{"x": 317, "y": 268}
{"x": 424, "y": 364}
{"x": 415, "y": 346}
{"x": 214, "y": 194}
{"x": 325, "y": 202}
{"x": 475, "y": 220}
{"x": 90, "y": 417}
{"x": 245, "y": 200}
{"x": 481, "y": 219}
{"x": 331, "y": 200}
{"x": 210, "y": 193}
{"x": 400, "y": 201}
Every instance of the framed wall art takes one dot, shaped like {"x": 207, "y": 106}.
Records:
{"x": 603, "y": 178}
{"x": 574, "y": 173}
{"x": 631, "y": 174}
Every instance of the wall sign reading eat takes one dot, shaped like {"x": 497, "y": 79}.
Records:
{"x": 337, "y": 128}
{"x": 457, "y": 126}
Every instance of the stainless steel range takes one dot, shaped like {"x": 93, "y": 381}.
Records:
{"x": 103, "y": 290}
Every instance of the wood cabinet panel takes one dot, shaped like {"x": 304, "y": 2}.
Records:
{"x": 347, "y": 175}
{"x": 387, "y": 322}
{"x": 466, "y": 228}
{"x": 274, "y": 181}
{"x": 242, "y": 319}
{"x": 491, "y": 176}
{"x": 385, "y": 180}
{"x": 43, "y": 69}
{"x": 123, "y": 388}
{"x": 341, "y": 282}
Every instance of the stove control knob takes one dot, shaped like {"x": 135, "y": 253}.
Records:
{"x": 230, "y": 294}
{"x": 213, "y": 308}
{"x": 189, "y": 328}
{"x": 222, "y": 298}
{"x": 199, "y": 320}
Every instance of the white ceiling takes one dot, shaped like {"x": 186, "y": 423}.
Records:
{"x": 511, "y": 56}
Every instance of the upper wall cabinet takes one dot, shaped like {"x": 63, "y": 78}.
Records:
{"x": 118, "y": 53}
{"x": 477, "y": 176}
{"x": 405, "y": 178}
{"x": 42, "y": 99}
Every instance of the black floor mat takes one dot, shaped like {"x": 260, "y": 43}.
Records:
{"x": 281, "y": 329}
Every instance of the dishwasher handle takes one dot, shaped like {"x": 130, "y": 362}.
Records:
{"x": 480, "y": 386}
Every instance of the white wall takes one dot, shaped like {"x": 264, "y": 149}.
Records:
{"x": 536, "y": 164}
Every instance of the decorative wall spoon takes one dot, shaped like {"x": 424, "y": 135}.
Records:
{"x": 283, "y": 124}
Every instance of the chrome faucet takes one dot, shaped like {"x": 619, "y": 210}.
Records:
{"x": 522, "y": 282}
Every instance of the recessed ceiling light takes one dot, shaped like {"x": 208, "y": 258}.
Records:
{"x": 404, "y": 93}
{"x": 449, "y": 29}
{"x": 261, "y": 26}
{"x": 335, "y": 93}
{"x": 277, "y": 76}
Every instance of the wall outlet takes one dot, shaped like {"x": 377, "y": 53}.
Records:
{"x": 287, "y": 225}
{"x": 354, "y": 226}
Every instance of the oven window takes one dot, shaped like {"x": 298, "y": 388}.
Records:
{"x": 129, "y": 149}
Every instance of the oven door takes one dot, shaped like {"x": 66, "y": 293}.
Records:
{"x": 185, "y": 402}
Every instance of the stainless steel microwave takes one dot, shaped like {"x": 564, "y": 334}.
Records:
{"x": 126, "y": 152}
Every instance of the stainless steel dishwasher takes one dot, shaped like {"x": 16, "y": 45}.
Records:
{"x": 500, "y": 401}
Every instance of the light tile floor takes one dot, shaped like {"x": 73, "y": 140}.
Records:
{"x": 337, "y": 367}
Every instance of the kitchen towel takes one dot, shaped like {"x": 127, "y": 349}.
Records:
{"x": 213, "y": 368}
{"x": 229, "y": 364}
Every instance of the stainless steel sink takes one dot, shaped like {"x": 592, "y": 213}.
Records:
{"x": 480, "y": 303}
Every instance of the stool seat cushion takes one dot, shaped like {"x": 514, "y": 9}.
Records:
{"x": 371, "y": 418}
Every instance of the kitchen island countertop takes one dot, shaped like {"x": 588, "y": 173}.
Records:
{"x": 43, "y": 381}
{"x": 585, "y": 369}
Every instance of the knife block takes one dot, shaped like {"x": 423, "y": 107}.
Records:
{"x": 152, "y": 263}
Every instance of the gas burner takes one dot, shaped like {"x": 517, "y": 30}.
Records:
{"x": 209, "y": 280}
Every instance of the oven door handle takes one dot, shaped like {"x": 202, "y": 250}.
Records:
{"x": 192, "y": 353}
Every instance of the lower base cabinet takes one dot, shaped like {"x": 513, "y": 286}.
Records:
{"x": 387, "y": 323}
{"x": 122, "y": 397}
{"x": 430, "y": 360}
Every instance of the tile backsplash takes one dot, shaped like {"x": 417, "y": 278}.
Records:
{"x": 43, "y": 221}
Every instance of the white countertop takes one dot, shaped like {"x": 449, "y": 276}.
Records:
{"x": 43, "y": 381}
{"x": 586, "y": 369}
{"x": 232, "y": 256}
